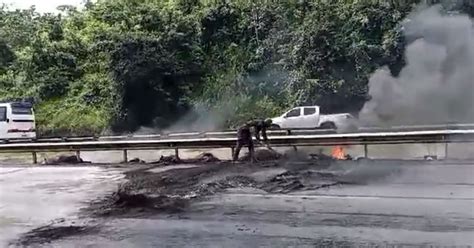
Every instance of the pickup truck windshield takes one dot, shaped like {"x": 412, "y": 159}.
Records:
{"x": 294, "y": 113}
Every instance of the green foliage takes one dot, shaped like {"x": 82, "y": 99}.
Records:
{"x": 123, "y": 64}
{"x": 61, "y": 117}
{"x": 337, "y": 48}
{"x": 154, "y": 77}
{"x": 7, "y": 56}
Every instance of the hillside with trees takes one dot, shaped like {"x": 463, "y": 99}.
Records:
{"x": 124, "y": 64}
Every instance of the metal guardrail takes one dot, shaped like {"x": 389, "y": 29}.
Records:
{"x": 449, "y": 133}
{"x": 406, "y": 137}
{"x": 282, "y": 132}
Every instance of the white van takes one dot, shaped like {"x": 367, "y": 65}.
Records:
{"x": 17, "y": 121}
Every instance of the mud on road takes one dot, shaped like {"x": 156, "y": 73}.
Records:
{"x": 156, "y": 189}
{"x": 171, "y": 185}
{"x": 46, "y": 234}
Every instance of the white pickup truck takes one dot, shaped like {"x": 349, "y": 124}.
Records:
{"x": 309, "y": 117}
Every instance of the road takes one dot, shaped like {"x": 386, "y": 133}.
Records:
{"x": 424, "y": 205}
{"x": 35, "y": 196}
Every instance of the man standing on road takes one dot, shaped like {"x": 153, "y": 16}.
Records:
{"x": 244, "y": 136}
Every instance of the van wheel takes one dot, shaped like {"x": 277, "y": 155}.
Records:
{"x": 328, "y": 125}
{"x": 275, "y": 127}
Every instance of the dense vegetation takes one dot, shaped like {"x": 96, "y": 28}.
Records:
{"x": 122, "y": 64}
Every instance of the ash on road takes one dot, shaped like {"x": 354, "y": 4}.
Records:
{"x": 278, "y": 203}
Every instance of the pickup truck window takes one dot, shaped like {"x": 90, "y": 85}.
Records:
{"x": 3, "y": 114}
{"x": 309, "y": 111}
{"x": 294, "y": 113}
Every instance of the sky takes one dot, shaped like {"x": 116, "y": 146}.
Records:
{"x": 41, "y": 5}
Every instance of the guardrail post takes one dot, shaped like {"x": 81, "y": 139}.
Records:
{"x": 35, "y": 158}
{"x": 446, "y": 152}
{"x": 446, "y": 142}
{"x": 125, "y": 156}
{"x": 366, "y": 151}
{"x": 78, "y": 155}
{"x": 176, "y": 152}
{"x": 232, "y": 150}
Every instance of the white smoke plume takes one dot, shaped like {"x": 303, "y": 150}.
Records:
{"x": 437, "y": 84}
{"x": 203, "y": 118}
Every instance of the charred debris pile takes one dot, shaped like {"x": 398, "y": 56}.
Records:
{"x": 160, "y": 187}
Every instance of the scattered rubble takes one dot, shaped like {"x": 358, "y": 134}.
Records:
{"x": 201, "y": 158}
{"x": 124, "y": 201}
{"x": 167, "y": 160}
{"x": 207, "y": 158}
{"x": 64, "y": 159}
{"x": 290, "y": 181}
{"x": 171, "y": 191}
{"x": 157, "y": 190}
{"x": 136, "y": 161}
{"x": 46, "y": 234}
{"x": 320, "y": 156}
{"x": 263, "y": 155}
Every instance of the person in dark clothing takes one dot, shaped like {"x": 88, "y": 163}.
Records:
{"x": 260, "y": 126}
{"x": 244, "y": 136}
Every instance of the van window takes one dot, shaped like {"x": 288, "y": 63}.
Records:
{"x": 309, "y": 111}
{"x": 294, "y": 113}
{"x": 21, "y": 111}
{"x": 3, "y": 114}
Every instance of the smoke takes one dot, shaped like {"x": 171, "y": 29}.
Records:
{"x": 204, "y": 118}
{"x": 437, "y": 84}
{"x": 236, "y": 102}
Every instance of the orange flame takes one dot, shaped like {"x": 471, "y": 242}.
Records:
{"x": 338, "y": 153}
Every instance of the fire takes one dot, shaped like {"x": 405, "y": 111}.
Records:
{"x": 338, "y": 152}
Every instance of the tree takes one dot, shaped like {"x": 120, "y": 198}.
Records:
{"x": 154, "y": 76}
{"x": 338, "y": 46}
{"x": 7, "y": 56}
{"x": 131, "y": 63}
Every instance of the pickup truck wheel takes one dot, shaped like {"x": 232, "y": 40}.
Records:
{"x": 275, "y": 127}
{"x": 328, "y": 125}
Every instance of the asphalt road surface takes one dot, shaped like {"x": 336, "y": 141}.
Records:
{"x": 424, "y": 206}
{"x": 31, "y": 197}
